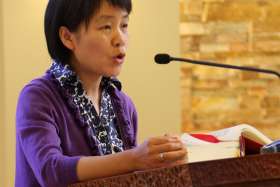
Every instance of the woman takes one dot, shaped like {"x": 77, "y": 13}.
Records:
{"x": 74, "y": 123}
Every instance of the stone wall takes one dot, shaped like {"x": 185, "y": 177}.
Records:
{"x": 238, "y": 32}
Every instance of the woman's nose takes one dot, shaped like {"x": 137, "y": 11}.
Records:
{"x": 119, "y": 39}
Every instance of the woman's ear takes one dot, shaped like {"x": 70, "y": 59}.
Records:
{"x": 66, "y": 37}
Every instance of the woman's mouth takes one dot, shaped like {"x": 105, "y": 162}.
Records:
{"x": 119, "y": 58}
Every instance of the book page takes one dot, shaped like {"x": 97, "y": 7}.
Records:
{"x": 229, "y": 134}
{"x": 248, "y": 131}
{"x": 255, "y": 135}
{"x": 205, "y": 153}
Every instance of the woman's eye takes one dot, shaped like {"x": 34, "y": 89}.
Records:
{"x": 125, "y": 25}
{"x": 106, "y": 27}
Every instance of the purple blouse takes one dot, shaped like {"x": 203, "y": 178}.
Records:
{"x": 49, "y": 140}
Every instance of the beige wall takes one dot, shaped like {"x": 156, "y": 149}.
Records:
{"x": 25, "y": 57}
{"x": 1, "y": 99}
{"x": 154, "y": 89}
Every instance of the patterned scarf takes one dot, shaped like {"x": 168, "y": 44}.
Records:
{"x": 101, "y": 130}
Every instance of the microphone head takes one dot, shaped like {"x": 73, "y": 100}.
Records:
{"x": 162, "y": 59}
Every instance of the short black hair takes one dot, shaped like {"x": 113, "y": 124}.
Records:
{"x": 71, "y": 14}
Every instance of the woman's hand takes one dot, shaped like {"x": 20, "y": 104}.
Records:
{"x": 159, "y": 152}
{"x": 153, "y": 153}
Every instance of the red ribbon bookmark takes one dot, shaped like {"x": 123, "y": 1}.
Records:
{"x": 206, "y": 137}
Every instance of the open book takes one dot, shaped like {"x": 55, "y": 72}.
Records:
{"x": 236, "y": 141}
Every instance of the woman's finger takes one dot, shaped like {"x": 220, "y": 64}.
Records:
{"x": 167, "y": 147}
{"x": 161, "y": 140}
{"x": 173, "y": 156}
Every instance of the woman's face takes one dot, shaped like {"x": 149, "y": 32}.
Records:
{"x": 100, "y": 49}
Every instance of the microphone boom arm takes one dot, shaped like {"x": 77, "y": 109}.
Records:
{"x": 226, "y": 66}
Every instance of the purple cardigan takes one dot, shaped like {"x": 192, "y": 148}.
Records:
{"x": 49, "y": 140}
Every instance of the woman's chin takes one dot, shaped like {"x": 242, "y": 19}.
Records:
{"x": 114, "y": 73}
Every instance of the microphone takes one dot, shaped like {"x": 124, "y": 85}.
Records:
{"x": 165, "y": 59}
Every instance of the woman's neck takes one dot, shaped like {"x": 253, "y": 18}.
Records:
{"x": 91, "y": 84}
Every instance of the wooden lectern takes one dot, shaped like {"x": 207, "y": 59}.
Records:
{"x": 249, "y": 171}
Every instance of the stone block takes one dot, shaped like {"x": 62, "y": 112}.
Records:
{"x": 214, "y": 47}
{"x": 190, "y": 44}
{"x": 267, "y": 46}
{"x": 234, "y": 11}
{"x": 239, "y": 47}
{"x": 193, "y": 7}
{"x": 249, "y": 102}
{"x": 210, "y": 84}
{"x": 267, "y": 26}
{"x": 213, "y": 104}
{"x": 248, "y": 75}
{"x": 194, "y": 28}
{"x": 228, "y": 28}
{"x": 271, "y": 102}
